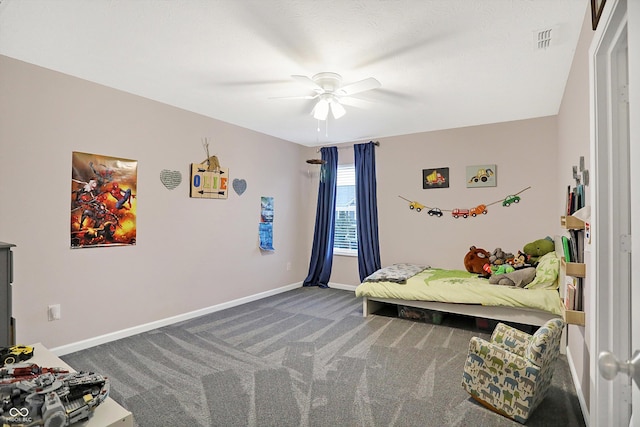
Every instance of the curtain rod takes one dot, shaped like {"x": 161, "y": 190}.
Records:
{"x": 376, "y": 143}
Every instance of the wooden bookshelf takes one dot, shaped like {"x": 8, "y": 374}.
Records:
{"x": 571, "y": 223}
{"x": 574, "y": 269}
{"x": 573, "y": 317}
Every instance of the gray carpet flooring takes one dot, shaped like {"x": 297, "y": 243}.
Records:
{"x": 306, "y": 357}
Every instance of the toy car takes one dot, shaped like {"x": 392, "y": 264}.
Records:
{"x": 460, "y": 212}
{"x": 417, "y": 206}
{"x": 17, "y": 353}
{"x": 435, "y": 211}
{"x": 510, "y": 199}
{"x": 480, "y": 209}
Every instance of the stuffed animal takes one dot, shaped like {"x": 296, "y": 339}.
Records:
{"x": 519, "y": 278}
{"x": 475, "y": 259}
{"x": 502, "y": 269}
{"x": 520, "y": 261}
{"x": 537, "y": 248}
{"x": 499, "y": 257}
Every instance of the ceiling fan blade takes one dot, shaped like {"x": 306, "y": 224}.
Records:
{"x": 295, "y": 97}
{"x": 356, "y": 102}
{"x": 308, "y": 83}
{"x": 357, "y": 87}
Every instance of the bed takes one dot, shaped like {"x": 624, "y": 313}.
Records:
{"x": 461, "y": 292}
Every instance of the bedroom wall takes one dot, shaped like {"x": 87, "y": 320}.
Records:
{"x": 525, "y": 155}
{"x": 573, "y": 138}
{"x": 538, "y": 152}
{"x": 190, "y": 254}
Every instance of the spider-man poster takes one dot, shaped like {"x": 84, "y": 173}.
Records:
{"x": 103, "y": 200}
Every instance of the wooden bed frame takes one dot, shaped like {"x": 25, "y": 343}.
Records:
{"x": 527, "y": 316}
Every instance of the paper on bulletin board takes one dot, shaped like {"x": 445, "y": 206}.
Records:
{"x": 266, "y": 223}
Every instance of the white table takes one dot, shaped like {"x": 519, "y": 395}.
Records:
{"x": 107, "y": 414}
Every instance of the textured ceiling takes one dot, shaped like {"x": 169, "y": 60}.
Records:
{"x": 442, "y": 63}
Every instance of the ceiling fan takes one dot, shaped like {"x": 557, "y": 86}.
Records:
{"x": 331, "y": 94}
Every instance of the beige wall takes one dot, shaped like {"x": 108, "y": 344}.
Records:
{"x": 525, "y": 155}
{"x": 190, "y": 254}
{"x": 574, "y": 137}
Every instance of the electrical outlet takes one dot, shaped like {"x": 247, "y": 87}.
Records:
{"x": 289, "y": 266}
{"x": 54, "y": 312}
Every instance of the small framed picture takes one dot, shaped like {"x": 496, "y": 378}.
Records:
{"x": 481, "y": 176}
{"x": 435, "y": 178}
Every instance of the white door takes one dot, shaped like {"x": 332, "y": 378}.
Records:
{"x": 633, "y": 30}
{"x": 615, "y": 67}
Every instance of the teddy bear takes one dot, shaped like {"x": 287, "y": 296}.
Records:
{"x": 475, "y": 259}
{"x": 536, "y": 249}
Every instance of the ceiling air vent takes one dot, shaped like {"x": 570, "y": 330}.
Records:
{"x": 543, "y": 39}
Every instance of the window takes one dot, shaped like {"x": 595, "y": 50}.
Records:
{"x": 345, "y": 241}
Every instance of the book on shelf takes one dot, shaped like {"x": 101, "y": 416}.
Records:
{"x": 577, "y": 300}
{"x": 569, "y": 300}
{"x": 576, "y": 235}
{"x": 580, "y": 197}
{"x": 575, "y": 198}
{"x": 566, "y": 249}
{"x": 580, "y": 236}
{"x": 574, "y": 293}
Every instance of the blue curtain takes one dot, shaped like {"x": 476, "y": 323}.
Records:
{"x": 367, "y": 209}
{"x": 322, "y": 250}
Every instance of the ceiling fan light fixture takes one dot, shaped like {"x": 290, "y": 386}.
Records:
{"x": 337, "y": 109}
{"x": 321, "y": 110}
{"x": 329, "y": 91}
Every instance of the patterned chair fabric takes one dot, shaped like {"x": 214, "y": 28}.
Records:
{"x": 512, "y": 372}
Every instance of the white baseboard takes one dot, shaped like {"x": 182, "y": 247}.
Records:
{"x": 342, "y": 286}
{"x": 578, "y": 387}
{"x": 92, "y": 342}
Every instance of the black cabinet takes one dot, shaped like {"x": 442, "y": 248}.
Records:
{"x": 7, "y": 336}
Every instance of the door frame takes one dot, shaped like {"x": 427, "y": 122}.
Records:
{"x": 614, "y": 329}
{"x": 633, "y": 35}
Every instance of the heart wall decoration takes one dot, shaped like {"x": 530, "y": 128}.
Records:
{"x": 170, "y": 179}
{"x": 239, "y": 185}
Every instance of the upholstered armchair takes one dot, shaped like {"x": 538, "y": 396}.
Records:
{"x": 511, "y": 373}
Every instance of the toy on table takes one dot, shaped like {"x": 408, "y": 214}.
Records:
{"x": 15, "y": 354}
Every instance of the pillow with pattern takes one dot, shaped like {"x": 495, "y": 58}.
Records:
{"x": 397, "y": 273}
{"x": 546, "y": 272}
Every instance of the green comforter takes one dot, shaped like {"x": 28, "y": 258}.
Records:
{"x": 458, "y": 286}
